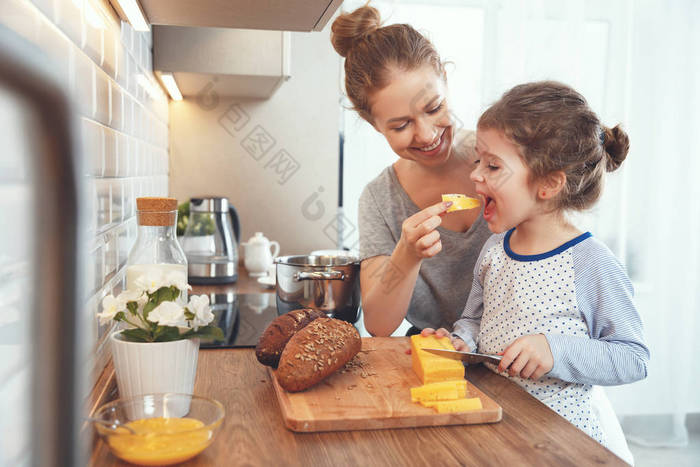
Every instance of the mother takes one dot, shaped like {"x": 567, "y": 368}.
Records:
{"x": 417, "y": 261}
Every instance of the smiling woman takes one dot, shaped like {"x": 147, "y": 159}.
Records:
{"x": 417, "y": 260}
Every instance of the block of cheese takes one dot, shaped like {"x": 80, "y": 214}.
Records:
{"x": 460, "y": 202}
{"x": 457, "y": 405}
{"x": 432, "y": 368}
{"x": 444, "y": 390}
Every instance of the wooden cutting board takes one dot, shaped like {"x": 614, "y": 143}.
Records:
{"x": 373, "y": 394}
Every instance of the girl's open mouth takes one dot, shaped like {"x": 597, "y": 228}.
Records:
{"x": 489, "y": 207}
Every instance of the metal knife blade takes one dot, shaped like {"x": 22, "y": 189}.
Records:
{"x": 468, "y": 357}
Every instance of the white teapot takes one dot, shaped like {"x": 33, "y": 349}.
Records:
{"x": 257, "y": 256}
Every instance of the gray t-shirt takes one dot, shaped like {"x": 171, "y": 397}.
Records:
{"x": 445, "y": 280}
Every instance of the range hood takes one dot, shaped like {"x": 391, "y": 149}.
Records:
{"x": 233, "y": 62}
{"x": 280, "y": 15}
{"x": 238, "y": 48}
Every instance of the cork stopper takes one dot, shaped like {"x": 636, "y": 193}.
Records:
{"x": 156, "y": 211}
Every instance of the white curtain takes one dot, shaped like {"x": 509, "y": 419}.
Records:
{"x": 638, "y": 63}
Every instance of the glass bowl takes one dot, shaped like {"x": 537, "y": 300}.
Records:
{"x": 158, "y": 429}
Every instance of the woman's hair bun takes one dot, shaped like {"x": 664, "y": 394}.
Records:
{"x": 349, "y": 27}
{"x": 616, "y": 145}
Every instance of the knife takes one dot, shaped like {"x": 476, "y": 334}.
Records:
{"x": 468, "y": 357}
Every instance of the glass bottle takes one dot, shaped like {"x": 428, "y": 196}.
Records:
{"x": 156, "y": 251}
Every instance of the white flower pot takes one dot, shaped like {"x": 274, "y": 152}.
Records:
{"x": 154, "y": 367}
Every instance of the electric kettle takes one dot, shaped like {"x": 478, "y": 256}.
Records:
{"x": 211, "y": 241}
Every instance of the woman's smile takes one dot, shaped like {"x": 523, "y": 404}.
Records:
{"x": 434, "y": 148}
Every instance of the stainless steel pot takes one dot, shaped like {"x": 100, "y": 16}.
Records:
{"x": 327, "y": 283}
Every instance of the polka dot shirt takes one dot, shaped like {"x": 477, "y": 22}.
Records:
{"x": 516, "y": 295}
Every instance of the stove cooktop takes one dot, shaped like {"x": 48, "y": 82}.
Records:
{"x": 242, "y": 317}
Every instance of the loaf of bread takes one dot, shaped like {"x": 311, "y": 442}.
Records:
{"x": 315, "y": 352}
{"x": 279, "y": 331}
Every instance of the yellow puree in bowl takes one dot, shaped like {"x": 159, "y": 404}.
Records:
{"x": 160, "y": 441}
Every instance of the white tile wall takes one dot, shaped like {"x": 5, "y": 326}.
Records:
{"x": 111, "y": 154}
{"x": 93, "y": 33}
{"x": 101, "y": 105}
{"x": 123, "y": 135}
{"x": 68, "y": 17}
{"x": 92, "y": 142}
{"x": 117, "y": 100}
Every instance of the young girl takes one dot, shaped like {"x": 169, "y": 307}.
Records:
{"x": 552, "y": 300}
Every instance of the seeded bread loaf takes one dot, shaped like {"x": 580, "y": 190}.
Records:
{"x": 315, "y": 352}
{"x": 279, "y": 331}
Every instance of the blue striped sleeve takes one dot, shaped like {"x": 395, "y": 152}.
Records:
{"x": 467, "y": 327}
{"x": 615, "y": 352}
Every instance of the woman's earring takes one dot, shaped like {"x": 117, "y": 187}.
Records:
{"x": 543, "y": 194}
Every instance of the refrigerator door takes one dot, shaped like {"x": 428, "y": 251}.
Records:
{"x": 41, "y": 383}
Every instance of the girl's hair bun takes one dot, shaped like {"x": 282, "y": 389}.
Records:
{"x": 616, "y": 145}
{"x": 349, "y": 27}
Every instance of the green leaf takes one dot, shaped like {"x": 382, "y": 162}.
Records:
{"x": 167, "y": 334}
{"x": 157, "y": 332}
{"x": 208, "y": 332}
{"x": 137, "y": 335}
{"x": 183, "y": 213}
{"x": 132, "y": 307}
{"x": 119, "y": 316}
{"x": 148, "y": 307}
{"x": 164, "y": 294}
{"x": 184, "y": 208}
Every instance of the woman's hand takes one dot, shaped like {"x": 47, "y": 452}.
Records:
{"x": 418, "y": 234}
{"x": 528, "y": 356}
{"x": 387, "y": 282}
{"x": 457, "y": 343}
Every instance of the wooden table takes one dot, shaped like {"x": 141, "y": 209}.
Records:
{"x": 253, "y": 431}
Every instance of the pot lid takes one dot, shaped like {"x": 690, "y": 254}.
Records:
{"x": 317, "y": 260}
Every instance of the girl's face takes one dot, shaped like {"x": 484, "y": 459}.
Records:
{"x": 501, "y": 178}
{"x": 411, "y": 112}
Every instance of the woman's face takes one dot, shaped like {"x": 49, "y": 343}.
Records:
{"x": 411, "y": 112}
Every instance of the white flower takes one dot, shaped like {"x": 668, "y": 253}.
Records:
{"x": 151, "y": 281}
{"x": 178, "y": 279}
{"x": 110, "y": 307}
{"x": 199, "y": 305}
{"x": 132, "y": 296}
{"x": 168, "y": 314}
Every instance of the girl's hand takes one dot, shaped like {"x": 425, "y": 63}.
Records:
{"x": 528, "y": 356}
{"x": 418, "y": 234}
{"x": 457, "y": 343}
